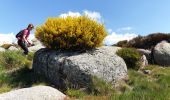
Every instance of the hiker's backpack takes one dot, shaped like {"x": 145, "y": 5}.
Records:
{"x": 19, "y": 34}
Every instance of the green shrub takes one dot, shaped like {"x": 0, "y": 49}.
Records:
{"x": 71, "y": 33}
{"x": 131, "y": 57}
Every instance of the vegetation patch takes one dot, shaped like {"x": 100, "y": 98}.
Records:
{"x": 139, "y": 86}
{"x": 145, "y": 42}
{"x": 71, "y": 33}
{"x": 131, "y": 57}
{"x": 16, "y": 71}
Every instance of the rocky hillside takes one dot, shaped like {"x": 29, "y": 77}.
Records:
{"x": 145, "y": 42}
{"x": 91, "y": 74}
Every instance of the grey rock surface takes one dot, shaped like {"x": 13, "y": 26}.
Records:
{"x": 78, "y": 67}
{"x": 34, "y": 93}
{"x": 35, "y": 41}
{"x": 145, "y": 52}
{"x": 144, "y": 62}
{"x": 36, "y": 47}
{"x": 12, "y": 48}
{"x": 2, "y": 49}
{"x": 162, "y": 53}
{"x": 147, "y": 71}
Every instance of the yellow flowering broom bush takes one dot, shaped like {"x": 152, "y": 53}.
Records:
{"x": 71, "y": 33}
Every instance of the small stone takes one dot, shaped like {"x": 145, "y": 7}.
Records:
{"x": 147, "y": 72}
{"x": 2, "y": 49}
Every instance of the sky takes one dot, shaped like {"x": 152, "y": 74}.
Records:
{"x": 123, "y": 19}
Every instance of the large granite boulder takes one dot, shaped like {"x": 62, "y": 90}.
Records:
{"x": 35, "y": 48}
{"x": 2, "y": 49}
{"x": 13, "y": 48}
{"x": 34, "y": 93}
{"x": 35, "y": 41}
{"x": 37, "y": 45}
{"x": 161, "y": 53}
{"x": 78, "y": 67}
{"x": 147, "y": 53}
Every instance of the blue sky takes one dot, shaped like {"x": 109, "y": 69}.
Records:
{"x": 122, "y": 18}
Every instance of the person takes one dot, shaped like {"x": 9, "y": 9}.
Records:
{"x": 23, "y": 39}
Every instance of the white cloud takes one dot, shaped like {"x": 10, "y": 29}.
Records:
{"x": 7, "y": 38}
{"x": 31, "y": 37}
{"x": 70, "y": 13}
{"x": 125, "y": 29}
{"x": 109, "y": 30}
{"x": 114, "y": 38}
{"x": 91, "y": 14}
{"x": 10, "y": 38}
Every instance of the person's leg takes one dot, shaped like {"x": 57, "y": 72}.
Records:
{"x": 23, "y": 46}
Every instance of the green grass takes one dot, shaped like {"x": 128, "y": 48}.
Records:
{"x": 147, "y": 87}
{"x": 75, "y": 93}
{"x": 155, "y": 86}
{"x": 16, "y": 71}
{"x": 139, "y": 86}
